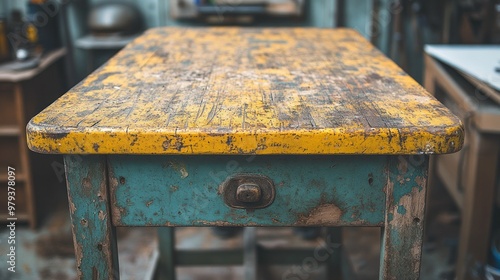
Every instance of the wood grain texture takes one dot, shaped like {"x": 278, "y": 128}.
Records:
{"x": 247, "y": 91}
{"x": 401, "y": 248}
{"x": 94, "y": 237}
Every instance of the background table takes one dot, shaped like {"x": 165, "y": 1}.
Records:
{"x": 470, "y": 175}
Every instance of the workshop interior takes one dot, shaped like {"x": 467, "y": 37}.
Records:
{"x": 451, "y": 48}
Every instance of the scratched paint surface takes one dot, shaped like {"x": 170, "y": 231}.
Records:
{"x": 247, "y": 91}
{"x": 184, "y": 191}
{"x": 405, "y": 203}
{"x": 95, "y": 248}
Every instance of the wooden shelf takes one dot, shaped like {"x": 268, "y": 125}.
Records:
{"x": 45, "y": 61}
{"x": 10, "y": 130}
{"x": 20, "y": 96}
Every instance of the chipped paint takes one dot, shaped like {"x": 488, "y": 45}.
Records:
{"x": 179, "y": 167}
{"x": 403, "y": 231}
{"x": 116, "y": 212}
{"x": 324, "y": 215}
{"x": 87, "y": 192}
{"x": 72, "y": 207}
{"x": 101, "y": 215}
{"x": 333, "y": 94}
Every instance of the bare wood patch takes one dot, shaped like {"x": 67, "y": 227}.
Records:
{"x": 325, "y": 214}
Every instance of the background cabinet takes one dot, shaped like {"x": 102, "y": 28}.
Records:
{"x": 22, "y": 95}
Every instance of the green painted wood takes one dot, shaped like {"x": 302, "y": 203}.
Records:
{"x": 403, "y": 231}
{"x": 228, "y": 257}
{"x": 310, "y": 190}
{"x": 334, "y": 269}
{"x": 219, "y": 257}
{"x": 168, "y": 255}
{"x": 250, "y": 251}
{"x": 93, "y": 235}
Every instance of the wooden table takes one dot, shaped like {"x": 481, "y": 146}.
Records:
{"x": 247, "y": 127}
{"x": 469, "y": 176}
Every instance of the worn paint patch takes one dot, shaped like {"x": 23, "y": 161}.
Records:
{"x": 403, "y": 231}
{"x": 84, "y": 223}
{"x": 326, "y": 214}
{"x": 413, "y": 205}
{"x": 421, "y": 182}
{"x": 79, "y": 257}
{"x": 72, "y": 207}
{"x": 179, "y": 167}
{"x": 87, "y": 189}
{"x": 86, "y": 184}
{"x": 102, "y": 215}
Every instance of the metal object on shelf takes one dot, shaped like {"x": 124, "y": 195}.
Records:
{"x": 115, "y": 18}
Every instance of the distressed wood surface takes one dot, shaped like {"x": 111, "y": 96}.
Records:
{"x": 401, "y": 248}
{"x": 93, "y": 235}
{"x": 247, "y": 91}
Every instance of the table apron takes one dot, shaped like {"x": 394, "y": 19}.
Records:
{"x": 185, "y": 190}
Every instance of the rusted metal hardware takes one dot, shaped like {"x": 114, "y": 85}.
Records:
{"x": 248, "y": 191}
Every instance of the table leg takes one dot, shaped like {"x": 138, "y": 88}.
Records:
{"x": 166, "y": 269}
{"x": 93, "y": 235}
{"x": 334, "y": 263}
{"x": 403, "y": 232}
{"x": 250, "y": 253}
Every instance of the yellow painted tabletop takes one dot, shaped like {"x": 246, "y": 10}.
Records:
{"x": 247, "y": 91}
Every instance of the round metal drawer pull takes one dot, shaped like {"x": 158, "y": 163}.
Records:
{"x": 248, "y": 191}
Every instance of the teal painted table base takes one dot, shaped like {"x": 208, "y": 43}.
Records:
{"x": 253, "y": 257}
{"x": 110, "y": 191}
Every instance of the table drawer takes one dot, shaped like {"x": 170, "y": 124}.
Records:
{"x": 308, "y": 190}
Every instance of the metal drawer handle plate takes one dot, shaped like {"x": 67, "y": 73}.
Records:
{"x": 248, "y": 191}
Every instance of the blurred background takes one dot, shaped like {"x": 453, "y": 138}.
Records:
{"x": 449, "y": 46}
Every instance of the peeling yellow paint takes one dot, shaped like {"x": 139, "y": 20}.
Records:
{"x": 247, "y": 91}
